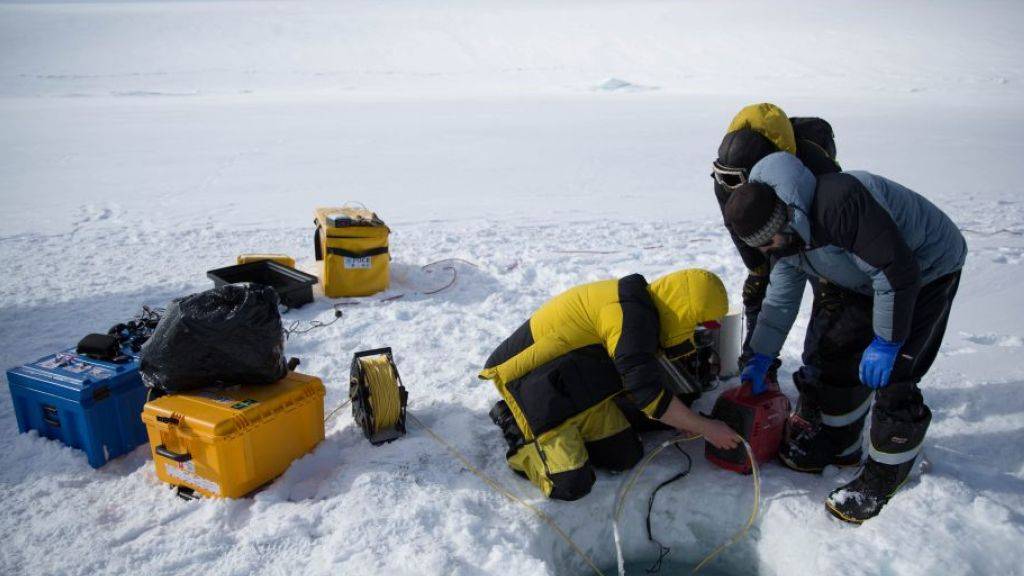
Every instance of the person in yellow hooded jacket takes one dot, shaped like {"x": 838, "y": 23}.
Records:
{"x": 559, "y": 374}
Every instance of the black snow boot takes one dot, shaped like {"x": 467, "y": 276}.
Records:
{"x": 810, "y": 446}
{"x": 502, "y": 417}
{"x": 864, "y": 497}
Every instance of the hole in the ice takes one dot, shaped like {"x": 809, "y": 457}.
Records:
{"x": 669, "y": 568}
{"x": 740, "y": 559}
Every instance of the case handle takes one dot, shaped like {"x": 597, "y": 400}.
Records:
{"x": 355, "y": 203}
{"x": 163, "y": 451}
{"x": 358, "y": 253}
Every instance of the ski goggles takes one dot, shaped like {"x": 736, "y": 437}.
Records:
{"x": 730, "y": 178}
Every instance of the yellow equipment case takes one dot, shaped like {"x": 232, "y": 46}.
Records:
{"x": 352, "y": 244}
{"x": 227, "y": 442}
{"x": 282, "y": 259}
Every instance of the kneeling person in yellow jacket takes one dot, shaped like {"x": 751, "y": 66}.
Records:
{"x": 559, "y": 373}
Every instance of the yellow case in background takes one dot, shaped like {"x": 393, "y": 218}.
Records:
{"x": 228, "y": 442}
{"x": 282, "y": 259}
{"x": 352, "y": 244}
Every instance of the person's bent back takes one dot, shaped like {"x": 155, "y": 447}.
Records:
{"x": 559, "y": 372}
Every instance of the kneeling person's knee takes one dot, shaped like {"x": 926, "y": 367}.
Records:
{"x": 617, "y": 452}
{"x": 572, "y": 484}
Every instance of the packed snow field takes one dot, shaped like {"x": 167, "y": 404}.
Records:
{"x": 530, "y": 148}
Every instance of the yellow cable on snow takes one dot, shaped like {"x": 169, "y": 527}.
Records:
{"x": 386, "y": 405}
{"x": 619, "y": 500}
{"x": 754, "y": 511}
{"x": 498, "y": 487}
{"x": 337, "y": 409}
{"x": 628, "y": 485}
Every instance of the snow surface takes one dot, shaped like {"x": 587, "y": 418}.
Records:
{"x": 548, "y": 144}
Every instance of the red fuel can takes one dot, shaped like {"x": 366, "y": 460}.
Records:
{"x": 759, "y": 419}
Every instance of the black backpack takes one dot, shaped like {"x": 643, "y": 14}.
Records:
{"x": 815, "y": 144}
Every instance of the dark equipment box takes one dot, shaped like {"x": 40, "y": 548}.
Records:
{"x": 294, "y": 287}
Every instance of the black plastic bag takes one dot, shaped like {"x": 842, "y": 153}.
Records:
{"x": 224, "y": 336}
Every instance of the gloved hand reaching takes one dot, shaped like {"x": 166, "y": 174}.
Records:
{"x": 877, "y": 362}
{"x": 755, "y": 372}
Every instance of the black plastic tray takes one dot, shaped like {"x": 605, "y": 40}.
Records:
{"x": 294, "y": 287}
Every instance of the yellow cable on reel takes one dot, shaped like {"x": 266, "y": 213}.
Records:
{"x": 384, "y": 396}
{"x": 377, "y": 395}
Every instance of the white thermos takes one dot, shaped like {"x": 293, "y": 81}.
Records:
{"x": 728, "y": 343}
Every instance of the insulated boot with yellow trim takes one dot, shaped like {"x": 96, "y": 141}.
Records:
{"x": 502, "y": 417}
{"x": 809, "y": 446}
{"x": 864, "y": 497}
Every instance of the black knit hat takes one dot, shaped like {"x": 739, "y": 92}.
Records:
{"x": 744, "y": 148}
{"x": 755, "y": 213}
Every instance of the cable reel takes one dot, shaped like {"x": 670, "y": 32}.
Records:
{"x": 378, "y": 396}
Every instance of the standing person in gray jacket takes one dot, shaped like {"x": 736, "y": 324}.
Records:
{"x": 871, "y": 236}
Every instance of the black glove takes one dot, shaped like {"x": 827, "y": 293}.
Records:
{"x": 754, "y": 289}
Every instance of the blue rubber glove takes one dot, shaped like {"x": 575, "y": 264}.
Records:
{"x": 755, "y": 372}
{"x": 877, "y": 361}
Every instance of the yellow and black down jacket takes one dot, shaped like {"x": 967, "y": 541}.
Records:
{"x": 762, "y": 129}
{"x": 628, "y": 318}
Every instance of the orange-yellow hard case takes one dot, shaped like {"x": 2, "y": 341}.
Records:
{"x": 227, "y": 442}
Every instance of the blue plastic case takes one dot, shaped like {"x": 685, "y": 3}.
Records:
{"x": 88, "y": 404}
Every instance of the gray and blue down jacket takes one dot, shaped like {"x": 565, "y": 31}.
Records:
{"x": 860, "y": 231}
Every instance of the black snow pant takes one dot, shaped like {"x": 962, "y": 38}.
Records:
{"x": 839, "y": 330}
{"x": 755, "y": 287}
{"x": 829, "y": 382}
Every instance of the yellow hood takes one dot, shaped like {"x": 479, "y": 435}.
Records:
{"x": 769, "y": 121}
{"x": 684, "y": 299}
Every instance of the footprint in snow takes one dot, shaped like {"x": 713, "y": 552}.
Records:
{"x": 951, "y": 351}
{"x": 1007, "y": 255}
{"x": 1003, "y": 340}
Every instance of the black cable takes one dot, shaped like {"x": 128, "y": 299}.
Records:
{"x": 293, "y": 328}
{"x": 136, "y": 331}
{"x": 663, "y": 551}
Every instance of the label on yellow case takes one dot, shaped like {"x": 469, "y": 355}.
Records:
{"x": 186, "y": 473}
{"x": 215, "y": 396}
{"x": 358, "y": 263}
